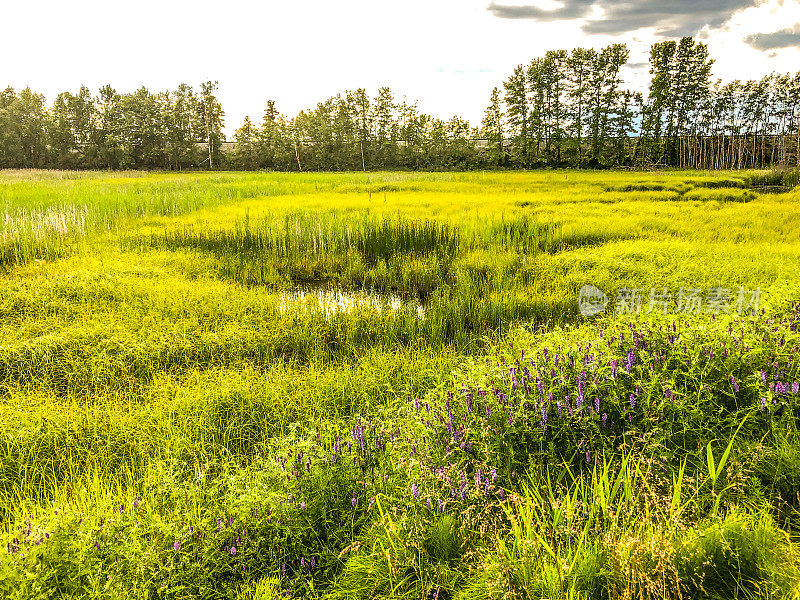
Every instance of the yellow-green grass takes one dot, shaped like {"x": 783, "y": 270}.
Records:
{"x": 137, "y": 330}
{"x": 115, "y": 314}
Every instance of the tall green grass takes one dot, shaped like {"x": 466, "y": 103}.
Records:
{"x": 166, "y": 361}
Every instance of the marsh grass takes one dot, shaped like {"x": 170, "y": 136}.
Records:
{"x": 597, "y": 536}
{"x": 162, "y": 372}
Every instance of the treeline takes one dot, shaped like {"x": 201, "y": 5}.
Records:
{"x": 688, "y": 122}
{"x": 139, "y": 130}
{"x": 352, "y": 131}
{"x": 566, "y": 108}
{"x": 570, "y": 109}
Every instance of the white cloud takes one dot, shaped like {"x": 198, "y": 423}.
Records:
{"x": 735, "y": 59}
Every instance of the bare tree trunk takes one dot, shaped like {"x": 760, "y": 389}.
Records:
{"x": 208, "y": 138}
{"x": 797, "y": 147}
{"x": 297, "y": 156}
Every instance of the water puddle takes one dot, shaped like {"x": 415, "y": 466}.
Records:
{"x": 771, "y": 189}
{"x": 333, "y": 300}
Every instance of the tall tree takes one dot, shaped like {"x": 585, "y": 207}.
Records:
{"x": 604, "y": 93}
{"x": 553, "y": 112}
{"x": 517, "y": 113}
{"x": 182, "y": 127}
{"x": 385, "y": 128}
{"x": 492, "y": 129}
{"x": 579, "y": 66}
{"x": 73, "y": 126}
{"x": 212, "y": 117}
{"x": 27, "y": 122}
{"x": 245, "y": 156}
{"x": 679, "y": 85}
{"x": 109, "y": 133}
{"x": 273, "y": 148}
{"x": 363, "y": 119}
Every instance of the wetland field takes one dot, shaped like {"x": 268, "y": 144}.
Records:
{"x": 490, "y": 385}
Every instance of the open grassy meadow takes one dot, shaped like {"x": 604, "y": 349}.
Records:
{"x": 250, "y": 386}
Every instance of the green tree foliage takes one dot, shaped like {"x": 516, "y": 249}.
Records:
{"x": 579, "y": 66}
{"x": 568, "y": 108}
{"x": 492, "y": 130}
{"x": 679, "y": 87}
{"x": 517, "y": 113}
{"x": 246, "y": 152}
{"x": 23, "y": 129}
{"x": 604, "y": 98}
{"x": 182, "y": 127}
{"x": 73, "y": 123}
{"x": 211, "y": 117}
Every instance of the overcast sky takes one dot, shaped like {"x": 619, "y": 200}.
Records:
{"x": 445, "y": 54}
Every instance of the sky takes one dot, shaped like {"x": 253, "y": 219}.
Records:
{"x": 446, "y": 55}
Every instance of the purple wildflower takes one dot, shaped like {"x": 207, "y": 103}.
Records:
{"x": 233, "y": 550}
{"x": 415, "y": 491}
{"x": 735, "y": 385}
{"x": 177, "y": 546}
{"x": 631, "y": 359}
{"x": 353, "y": 501}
